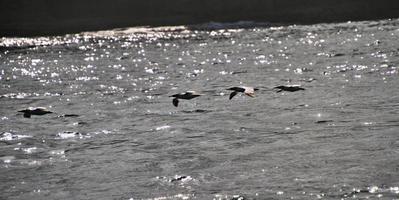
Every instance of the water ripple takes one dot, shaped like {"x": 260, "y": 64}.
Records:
{"x": 335, "y": 140}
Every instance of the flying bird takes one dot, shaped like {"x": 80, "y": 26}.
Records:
{"x": 187, "y": 95}
{"x": 249, "y": 91}
{"x": 35, "y": 111}
{"x": 289, "y": 88}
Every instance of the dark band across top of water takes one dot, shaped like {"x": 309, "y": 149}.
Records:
{"x": 43, "y": 17}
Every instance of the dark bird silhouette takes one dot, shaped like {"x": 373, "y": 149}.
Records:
{"x": 35, "y": 111}
{"x": 249, "y": 91}
{"x": 187, "y": 95}
{"x": 289, "y": 88}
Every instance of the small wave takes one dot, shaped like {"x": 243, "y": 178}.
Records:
{"x": 71, "y": 134}
{"x": 23, "y": 95}
{"x": 7, "y": 136}
{"x": 12, "y": 44}
{"x": 160, "y": 128}
{"x": 78, "y": 135}
{"x": 57, "y": 152}
{"x": 176, "y": 178}
{"x": 177, "y": 196}
{"x": 231, "y": 197}
{"x": 181, "y": 178}
{"x": 29, "y": 150}
{"x": 227, "y": 25}
{"x": 17, "y": 95}
{"x": 371, "y": 192}
{"x": 7, "y": 159}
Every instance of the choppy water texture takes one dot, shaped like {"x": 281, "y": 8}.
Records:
{"x": 115, "y": 134}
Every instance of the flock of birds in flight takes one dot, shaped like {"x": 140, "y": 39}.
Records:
{"x": 249, "y": 91}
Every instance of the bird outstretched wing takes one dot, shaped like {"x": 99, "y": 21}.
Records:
{"x": 232, "y": 95}
{"x": 237, "y": 89}
{"x": 175, "y": 102}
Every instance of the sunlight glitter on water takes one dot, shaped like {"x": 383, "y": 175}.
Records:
{"x": 116, "y": 133}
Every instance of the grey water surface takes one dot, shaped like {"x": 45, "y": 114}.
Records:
{"x": 115, "y": 134}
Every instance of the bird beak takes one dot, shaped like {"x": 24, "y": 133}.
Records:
{"x": 251, "y": 94}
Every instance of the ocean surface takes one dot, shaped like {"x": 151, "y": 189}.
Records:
{"x": 114, "y": 133}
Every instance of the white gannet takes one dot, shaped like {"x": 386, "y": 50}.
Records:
{"x": 249, "y": 91}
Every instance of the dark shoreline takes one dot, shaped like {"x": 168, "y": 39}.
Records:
{"x": 49, "y": 17}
